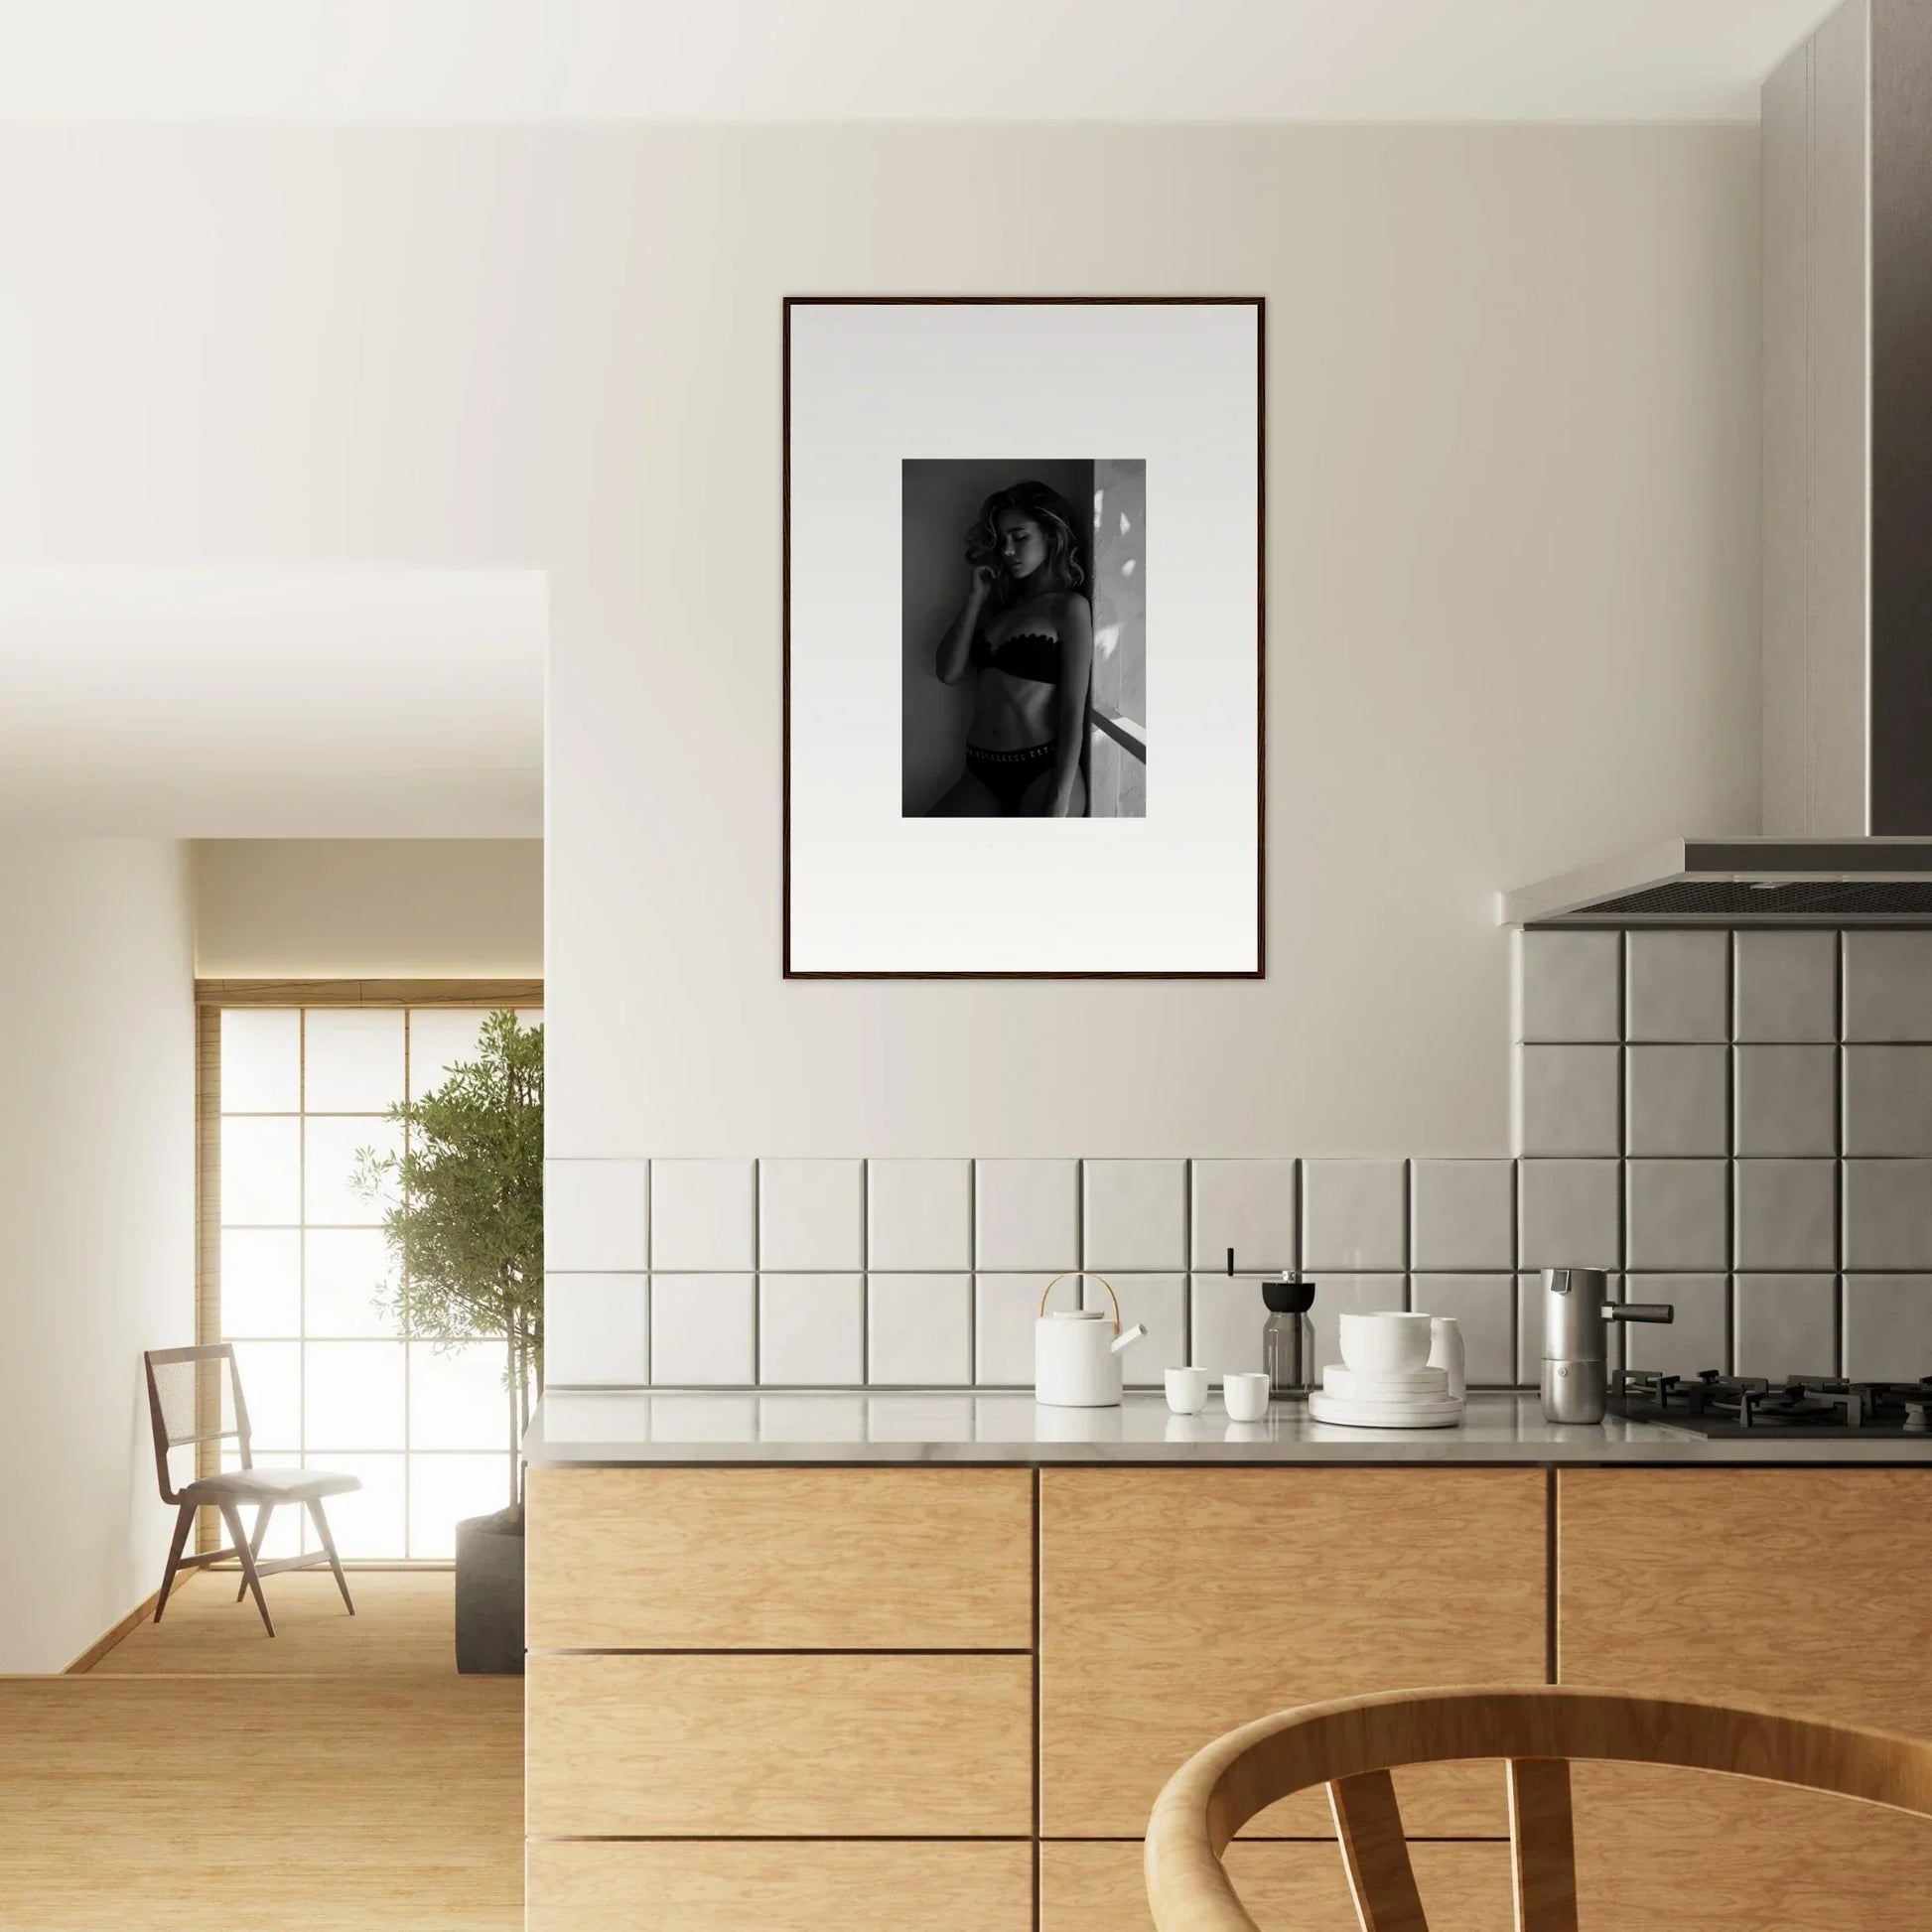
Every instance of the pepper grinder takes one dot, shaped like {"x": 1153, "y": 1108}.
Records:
{"x": 1287, "y": 1335}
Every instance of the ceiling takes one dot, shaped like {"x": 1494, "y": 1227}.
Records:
{"x": 893, "y": 60}
{"x": 192, "y": 703}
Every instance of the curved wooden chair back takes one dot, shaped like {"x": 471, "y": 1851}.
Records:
{"x": 1352, "y": 1745}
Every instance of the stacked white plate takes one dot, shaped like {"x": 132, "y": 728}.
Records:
{"x": 1411, "y": 1399}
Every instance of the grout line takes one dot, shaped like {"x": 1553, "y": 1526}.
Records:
{"x": 972, "y": 1273}
{"x": 865, "y": 1274}
{"x": 757, "y": 1271}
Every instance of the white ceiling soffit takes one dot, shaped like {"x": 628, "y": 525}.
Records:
{"x": 188, "y": 703}
{"x": 450, "y": 60}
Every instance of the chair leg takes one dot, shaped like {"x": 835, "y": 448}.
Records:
{"x": 231, "y": 1515}
{"x": 262, "y": 1513}
{"x": 184, "y": 1522}
{"x": 329, "y": 1543}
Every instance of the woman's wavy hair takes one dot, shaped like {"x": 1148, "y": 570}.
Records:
{"x": 1066, "y": 550}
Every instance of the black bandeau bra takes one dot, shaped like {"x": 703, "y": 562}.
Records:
{"x": 1031, "y": 654}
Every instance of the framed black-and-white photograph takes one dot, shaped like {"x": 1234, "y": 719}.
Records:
{"x": 1023, "y": 638}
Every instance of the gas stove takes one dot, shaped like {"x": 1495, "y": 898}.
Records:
{"x": 1713, "y": 1404}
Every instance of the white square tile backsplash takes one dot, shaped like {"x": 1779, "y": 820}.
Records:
{"x": 1027, "y": 1214}
{"x": 1005, "y": 1308}
{"x": 812, "y": 1330}
{"x": 1354, "y": 1214}
{"x": 920, "y": 1330}
{"x": 919, "y": 1215}
{"x": 703, "y": 1331}
{"x": 595, "y": 1215}
{"x": 1462, "y": 1214}
{"x": 596, "y": 1330}
{"x": 811, "y": 1215}
{"x": 1724, "y": 1184}
{"x": 704, "y": 1216}
{"x": 1136, "y": 1213}
{"x": 1246, "y": 1205}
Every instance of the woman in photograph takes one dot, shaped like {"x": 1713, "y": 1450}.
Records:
{"x": 1027, "y": 628}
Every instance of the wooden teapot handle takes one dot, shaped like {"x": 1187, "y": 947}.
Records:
{"x": 1084, "y": 1275}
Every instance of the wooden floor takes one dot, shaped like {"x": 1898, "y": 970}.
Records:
{"x": 341, "y": 1776}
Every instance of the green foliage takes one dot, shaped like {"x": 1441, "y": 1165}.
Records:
{"x": 463, "y": 1203}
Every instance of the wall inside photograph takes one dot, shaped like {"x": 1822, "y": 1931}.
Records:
{"x": 1117, "y": 779}
{"x": 943, "y": 502}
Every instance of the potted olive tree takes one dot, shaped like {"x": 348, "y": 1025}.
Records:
{"x": 463, "y": 1217}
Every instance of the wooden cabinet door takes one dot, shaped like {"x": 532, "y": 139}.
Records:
{"x": 603, "y": 1885}
{"x": 1175, "y": 1605}
{"x": 802, "y": 1746}
{"x": 1094, "y": 1887}
{"x": 774, "y": 1559}
{"x": 1804, "y": 1590}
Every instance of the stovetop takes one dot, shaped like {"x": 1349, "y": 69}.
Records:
{"x": 1713, "y": 1404}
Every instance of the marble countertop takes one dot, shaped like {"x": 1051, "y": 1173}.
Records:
{"x": 676, "y": 1426}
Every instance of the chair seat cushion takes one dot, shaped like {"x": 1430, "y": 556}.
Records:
{"x": 268, "y": 1486}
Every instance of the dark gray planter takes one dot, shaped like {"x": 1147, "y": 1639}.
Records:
{"x": 489, "y": 1595}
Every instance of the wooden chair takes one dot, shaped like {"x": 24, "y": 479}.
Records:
{"x": 195, "y": 1396}
{"x": 1352, "y": 1745}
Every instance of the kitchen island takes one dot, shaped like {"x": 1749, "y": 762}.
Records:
{"x": 923, "y": 1659}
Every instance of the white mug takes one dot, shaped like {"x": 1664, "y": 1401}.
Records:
{"x": 1186, "y": 1391}
{"x": 1246, "y": 1395}
{"x": 1446, "y": 1352}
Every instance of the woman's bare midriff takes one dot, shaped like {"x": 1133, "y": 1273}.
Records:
{"x": 1012, "y": 714}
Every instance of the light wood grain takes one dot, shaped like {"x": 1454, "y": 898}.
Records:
{"x": 1368, "y": 1823}
{"x": 1289, "y": 1887}
{"x": 370, "y": 993}
{"x": 780, "y": 1559}
{"x": 1543, "y": 1849}
{"x": 802, "y": 1887}
{"x": 303, "y": 1804}
{"x": 405, "y": 1626}
{"x": 780, "y": 1746}
{"x": 1175, "y": 1604}
{"x": 1808, "y": 1590}
{"x": 1211, "y": 1796}
{"x": 1694, "y": 1853}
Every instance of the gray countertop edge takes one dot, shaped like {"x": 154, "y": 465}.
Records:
{"x": 954, "y": 1428}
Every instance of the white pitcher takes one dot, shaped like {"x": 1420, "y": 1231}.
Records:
{"x": 1077, "y": 1351}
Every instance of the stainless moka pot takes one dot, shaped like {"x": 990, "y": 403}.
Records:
{"x": 1577, "y": 1316}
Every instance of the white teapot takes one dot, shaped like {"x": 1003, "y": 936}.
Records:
{"x": 1077, "y": 1351}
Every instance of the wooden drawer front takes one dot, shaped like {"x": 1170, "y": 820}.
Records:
{"x": 811, "y": 1887}
{"x": 704, "y": 1746}
{"x": 780, "y": 1560}
{"x": 1807, "y": 1591}
{"x": 1099, "y": 1887}
{"x": 1177, "y": 1604}
{"x": 1702, "y": 1853}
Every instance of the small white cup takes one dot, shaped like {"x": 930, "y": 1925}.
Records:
{"x": 1446, "y": 1352}
{"x": 1246, "y": 1395}
{"x": 1187, "y": 1390}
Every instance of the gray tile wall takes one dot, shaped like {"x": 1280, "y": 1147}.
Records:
{"x": 1737, "y": 1123}
{"x": 921, "y": 1272}
{"x": 1742, "y": 1122}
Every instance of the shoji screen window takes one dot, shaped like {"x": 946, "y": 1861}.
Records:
{"x": 306, "y": 1289}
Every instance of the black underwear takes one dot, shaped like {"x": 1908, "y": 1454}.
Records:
{"x": 1007, "y": 774}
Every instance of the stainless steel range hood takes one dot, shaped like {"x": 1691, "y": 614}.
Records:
{"x": 1846, "y": 527}
{"x": 1741, "y": 882}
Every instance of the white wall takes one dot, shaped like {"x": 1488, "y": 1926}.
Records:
{"x": 1513, "y": 550}
{"x": 378, "y": 908}
{"x": 97, "y": 1200}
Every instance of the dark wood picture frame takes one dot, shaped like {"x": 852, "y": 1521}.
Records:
{"x": 1259, "y": 305}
